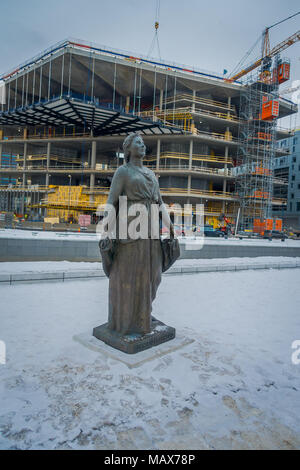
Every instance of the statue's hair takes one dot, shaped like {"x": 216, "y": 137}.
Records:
{"x": 127, "y": 143}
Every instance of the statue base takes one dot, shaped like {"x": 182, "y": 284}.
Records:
{"x": 134, "y": 343}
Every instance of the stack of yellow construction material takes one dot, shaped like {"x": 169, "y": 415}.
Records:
{"x": 71, "y": 196}
{"x": 213, "y": 208}
{"x": 100, "y": 199}
{"x": 51, "y": 220}
{"x": 228, "y": 135}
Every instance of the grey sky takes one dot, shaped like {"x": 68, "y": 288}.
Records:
{"x": 211, "y": 35}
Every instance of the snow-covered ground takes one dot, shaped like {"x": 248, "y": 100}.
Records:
{"x": 4, "y": 233}
{"x": 67, "y": 266}
{"x": 233, "y": 387}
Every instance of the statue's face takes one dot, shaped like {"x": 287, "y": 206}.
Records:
{"x": 138, "y": 148}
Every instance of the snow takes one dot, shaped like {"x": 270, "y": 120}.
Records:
{"x": 46, "y": 235}
{"x": 233, "y": 387}
{"x": 15, "y": 267}
{"x": 46, "y": 266}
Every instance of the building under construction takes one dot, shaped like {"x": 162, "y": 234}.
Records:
{"x": 64, "y": 115}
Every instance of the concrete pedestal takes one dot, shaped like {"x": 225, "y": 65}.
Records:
{"x": 134, "y": 343}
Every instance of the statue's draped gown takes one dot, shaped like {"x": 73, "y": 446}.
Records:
{"x": 137, "y": 266}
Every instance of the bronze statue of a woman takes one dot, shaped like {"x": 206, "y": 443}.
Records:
{"x": 137, "y": 265}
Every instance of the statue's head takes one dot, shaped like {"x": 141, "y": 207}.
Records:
{"x": 133, "y": 146}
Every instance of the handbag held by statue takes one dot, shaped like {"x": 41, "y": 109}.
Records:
{"x": 107, "y": 249}
{"x": 170, "y": 252}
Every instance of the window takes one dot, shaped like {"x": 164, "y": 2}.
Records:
{"x": 298, "y": 206}
{"x": 292, "y": 196}
{"x": 291, "y": 206}
{"x": 294, "y": 159}
{"x": 293, "y": 177}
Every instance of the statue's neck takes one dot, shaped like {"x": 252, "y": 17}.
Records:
{"x": 136, "y": 161}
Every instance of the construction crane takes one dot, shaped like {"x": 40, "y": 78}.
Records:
{"x": 266, "y": 52}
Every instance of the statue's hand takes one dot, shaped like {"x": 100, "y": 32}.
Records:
{"x": 172, "y": 231}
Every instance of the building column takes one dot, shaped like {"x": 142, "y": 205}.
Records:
{"x": 1, "y": 138}
{"x": 190, "y": 167}
{"x": 161, "y": 98}
{"x": 189, "y": 184}
{"x": 48, "y": 162}
{"x": 24, "y": 178}
{"x": 225, "y": 180}
{"x": 24, "y": 162}
{"x": 158, "y": 154}
{"x": 229, "y": 105}
{"x": 191, "y": 154}
{"x": 193, "y": 103}
{"x": 93, "y": 166}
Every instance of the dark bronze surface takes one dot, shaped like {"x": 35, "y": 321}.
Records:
{"x": 136, "y": 267}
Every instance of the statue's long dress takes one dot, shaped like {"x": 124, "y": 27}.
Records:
{"x": 137, "y": 267}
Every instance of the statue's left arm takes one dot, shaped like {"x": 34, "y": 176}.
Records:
{"x": 165, "y": 215}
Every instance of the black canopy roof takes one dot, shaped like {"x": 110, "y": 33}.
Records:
{"x": 69, "y": 111}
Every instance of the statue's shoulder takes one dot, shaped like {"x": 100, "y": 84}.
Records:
{"x": 149, "y": 171}
{"x": 121, "y": 171}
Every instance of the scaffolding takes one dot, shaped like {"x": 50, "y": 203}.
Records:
{"x": 257, "y": 136}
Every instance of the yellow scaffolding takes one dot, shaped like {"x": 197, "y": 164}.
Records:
{"x": 196, "y": 157}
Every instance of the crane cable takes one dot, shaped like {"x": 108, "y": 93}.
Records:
{"x": 155, "y": 40}
{"x": 242, "y": 61}
{"x": 282, "y": 21}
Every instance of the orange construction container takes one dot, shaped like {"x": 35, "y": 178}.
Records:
{"x": 278, "y": 225}
{"x": 270, "y": 110}
{"x": 258, "y": 226}
{"x": 264, "y": 136}
{"x": 260, "y": 194}
{"x": 262, "y": 171}
{"x": 282, "y": 73}
{"x": 269, "y": 224}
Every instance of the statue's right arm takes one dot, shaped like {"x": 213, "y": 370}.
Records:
{"x": 117, "y": 186}
{"x": 116, "y": 189}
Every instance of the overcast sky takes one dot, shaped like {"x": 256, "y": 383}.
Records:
{"x": 212, "y": 35}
